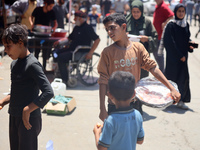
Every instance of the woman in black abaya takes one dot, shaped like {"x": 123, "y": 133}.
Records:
{"x": 176, "y": 38}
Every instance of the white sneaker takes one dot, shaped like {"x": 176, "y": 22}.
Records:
{"x": 182, "y": 105}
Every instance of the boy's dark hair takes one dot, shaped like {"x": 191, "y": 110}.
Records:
{"x": 49, "y": 2}
{"x": 118, "y": 18}
{"x": 15, "y": 33}
{"x": 121, "y": 85}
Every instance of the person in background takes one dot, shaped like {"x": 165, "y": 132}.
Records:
{"x": 120, "y": 6}
{"x": 93, "y": 18}
{"x": 76, "y": 8}
{"x": 86, "y": 4}
{"x": 183, "y": 2}
{"x": 196, "y": 35}
{"x": 176, "y": 38}
{"x": 116, "y": 133}
{"x": 138, "y": 24}
{"x": 30, "y": 90}
{"x": 196, "y": 12}
{"x": 82, "y": 34}
{"x": 43, "y": 16}
{"x": 111, "y": 11}
{"x": 106, "y": 5}
{"x": 60, "y": 12}
{"x": 25, "y": 9}
{"x": 189, "y": 10}
{"x": 161, "y": 16}
{"x": 124, "y": 55}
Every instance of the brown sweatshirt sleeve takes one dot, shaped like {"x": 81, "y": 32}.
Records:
{"x": 102, "y": 68}
{"x": 147, "y": 62}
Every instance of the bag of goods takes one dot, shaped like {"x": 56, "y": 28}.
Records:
{"x": 151, "y": 92}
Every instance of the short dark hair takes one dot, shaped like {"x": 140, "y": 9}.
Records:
{"x": 49, "y": 2}
{"x": 15, "y": 33}
{"x": 118, "y": 18}
{"x": 121, "y": 85}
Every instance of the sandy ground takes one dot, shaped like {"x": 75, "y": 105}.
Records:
{"x": 169, "y": 129}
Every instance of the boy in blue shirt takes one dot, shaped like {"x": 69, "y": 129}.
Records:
{"x": 123, "y": 128}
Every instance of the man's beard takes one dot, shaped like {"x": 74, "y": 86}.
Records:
{"x": 78, "y": 23}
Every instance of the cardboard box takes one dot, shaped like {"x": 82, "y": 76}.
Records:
{"x": 59, "y": 108}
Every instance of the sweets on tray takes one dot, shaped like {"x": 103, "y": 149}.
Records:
{"x": 153, "y": 93}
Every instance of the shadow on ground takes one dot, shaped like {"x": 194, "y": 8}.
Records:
{"x": 174, "y": 109}
{"x": 147, "y": 117}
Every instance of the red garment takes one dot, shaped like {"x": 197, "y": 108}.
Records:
{"x": 161, "y": 14}
{"x": 108, "y": 14}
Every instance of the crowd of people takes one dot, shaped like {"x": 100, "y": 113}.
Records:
{"x": 169, "y": 30}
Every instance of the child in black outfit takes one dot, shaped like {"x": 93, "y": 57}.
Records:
{"x": 27, "y": 79}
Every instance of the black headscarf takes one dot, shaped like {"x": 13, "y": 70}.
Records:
{"x": 176, "y": 20}
{"x": 176, "y": 8}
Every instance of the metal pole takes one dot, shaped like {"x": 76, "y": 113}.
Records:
{"x": 70, "y": 10}
{"x": 4, "y": 14}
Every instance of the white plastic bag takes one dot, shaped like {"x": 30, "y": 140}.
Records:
{"x": 134, "y": 38}
{"x": 49, "y": 145}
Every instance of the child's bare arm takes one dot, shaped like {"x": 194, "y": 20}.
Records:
{"x": 32, "y": 20}
{"x": 160, "y": 76}
{"x": 97, "y": 131}
{"x": 98, "y": 22}
{"x": 102, "y": 93}
{"x": 4, "y": 101}
{"x": 55, "y": 25}
{"x": 140, "y": 142}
